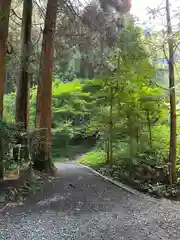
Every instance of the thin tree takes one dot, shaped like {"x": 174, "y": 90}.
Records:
{"x": 172, "y": 152}
{"x": 4, "y": 25}
{"x": 22, "y": 95}
{"x": 42, "y": 157}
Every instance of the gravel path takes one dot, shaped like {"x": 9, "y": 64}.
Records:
{"x": 79, "y": 205}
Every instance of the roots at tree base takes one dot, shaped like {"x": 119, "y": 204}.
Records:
{"x": 43, "y": 162}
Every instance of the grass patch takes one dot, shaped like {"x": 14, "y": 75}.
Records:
{"x": 94, "y": 159}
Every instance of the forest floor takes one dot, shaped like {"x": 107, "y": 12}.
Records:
{"x": 78, "y": 204}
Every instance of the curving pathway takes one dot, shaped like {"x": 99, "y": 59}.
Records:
{"x": 79, "y": 205}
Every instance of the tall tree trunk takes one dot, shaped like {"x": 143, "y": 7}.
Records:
{"x": 22, "y": 95}
{"x": 172, "y": 152}
{"x": 111, "y": 126}
{"x": 149, "y": 128}
{"x": 42, "y": 158}
{"x": 4, "y": 24}
{"x": 107, "y": 148}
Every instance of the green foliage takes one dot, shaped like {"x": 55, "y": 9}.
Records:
{"x": 71, "y": 108}
{"x": 160, "y": 135}
{"x": 71, "y": 111}
{"x": 129, "y": 106}
{"x": 10, "y": 135}
{"x": 93, "y": 159}
{"x": 70, "y": 104}
{"x": 132, "y": 112}
{"x": 123, "y": 105}
{"x": 9, "y": 107}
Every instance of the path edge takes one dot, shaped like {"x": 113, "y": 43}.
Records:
{"x": 164, "y": 202}
{"x": 109, "y": 179}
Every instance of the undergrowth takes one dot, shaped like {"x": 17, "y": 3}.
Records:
{"x": 94, "y": 159}
{"x": 125, "y": 170}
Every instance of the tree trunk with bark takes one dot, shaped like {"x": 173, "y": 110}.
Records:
{"x": 172, "y": 152}
{"x": 111, "y": 125}
{"x": 4, "y": 25}
{"x": 22, "y": 95}
{"x": 149, "y": 128}
{"x": 42, "y": 157}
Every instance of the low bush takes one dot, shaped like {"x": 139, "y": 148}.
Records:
{"x": 94, "y": 159}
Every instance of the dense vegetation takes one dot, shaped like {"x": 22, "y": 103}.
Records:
{"x": 101, "y": 95}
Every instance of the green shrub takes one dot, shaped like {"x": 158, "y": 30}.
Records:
{"x": 94, "y": 159}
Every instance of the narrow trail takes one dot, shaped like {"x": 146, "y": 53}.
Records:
{"x": 80, "y": 205}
